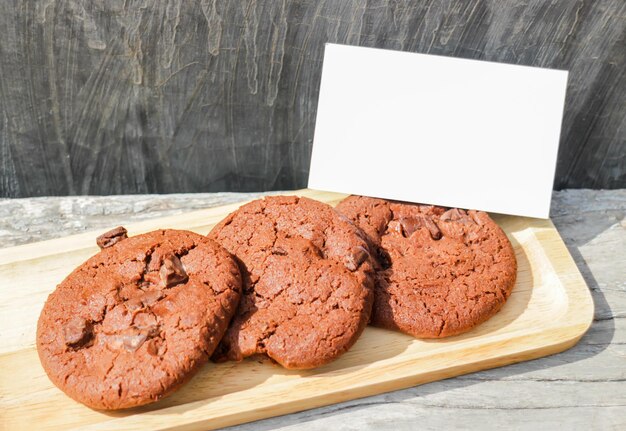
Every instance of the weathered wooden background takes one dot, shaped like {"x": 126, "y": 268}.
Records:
{"x": 123, "y": 96}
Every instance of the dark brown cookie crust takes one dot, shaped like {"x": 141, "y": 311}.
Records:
{"x": 440, "y": 271}
{"x": 135, "y": 321}
{"x": 307, "y": 282}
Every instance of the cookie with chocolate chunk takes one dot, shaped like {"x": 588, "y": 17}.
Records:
{"x": 440, "y": 271}
{"x": 307, "y": 282}
{"x": 135, "y": 321}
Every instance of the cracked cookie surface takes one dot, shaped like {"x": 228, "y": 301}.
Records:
{"x": 440, "y": 271}
{"x": 307, "y": 282}
{"x": 135, "y": 321}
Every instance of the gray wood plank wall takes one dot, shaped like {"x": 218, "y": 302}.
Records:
{"x": 107, "y": 97}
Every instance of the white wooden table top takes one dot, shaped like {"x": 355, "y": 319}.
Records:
{"x": 582, "y": 388}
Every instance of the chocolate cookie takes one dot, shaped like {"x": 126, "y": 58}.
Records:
{"x": 307, "y": 282}
{"x": 135, "y": 321}
{"x": 440, "y": 271}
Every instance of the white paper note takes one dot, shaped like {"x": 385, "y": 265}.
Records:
{"x": 437, "y": 130}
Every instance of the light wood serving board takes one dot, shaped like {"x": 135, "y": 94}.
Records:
{"x": 549, "y": 310}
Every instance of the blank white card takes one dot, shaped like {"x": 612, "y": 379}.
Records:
{"x": 437, "y": 130}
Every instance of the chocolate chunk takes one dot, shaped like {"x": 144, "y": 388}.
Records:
{"x": 147, "y": 297}
{"x": 77, "y": 332}
{"x": 130, "y": 339}
{"x": 477, "y": 217}
{"x": 111, "y": 237}
{"x": 132, "y": 342}
{"x": 356, "y": 258}
{"x": 152, "y": 348}
{"x": 172, "y": 271}
{"x": 432, "y": 227}
{"x": 453, "y": 214}
{"x": 411, "y": 224}
{"x": 279, "y": 251}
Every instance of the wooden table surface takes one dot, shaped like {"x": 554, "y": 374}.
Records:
{"x": 582, "y": 388}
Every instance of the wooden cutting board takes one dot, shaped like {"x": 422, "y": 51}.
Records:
{"x": 549, "y": 310}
